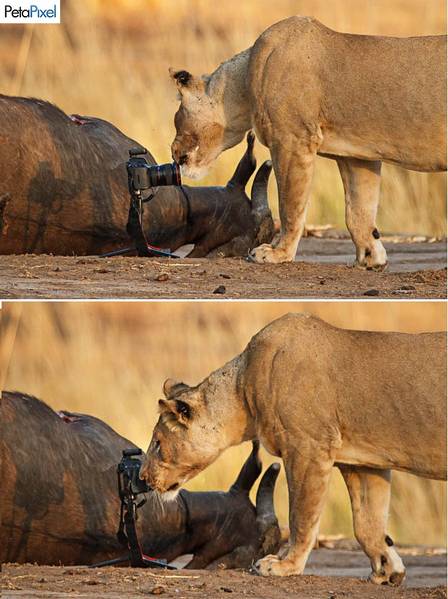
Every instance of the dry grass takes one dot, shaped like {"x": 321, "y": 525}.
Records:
{"x": 110, "y": 359}
{"x": 111, "y": 59}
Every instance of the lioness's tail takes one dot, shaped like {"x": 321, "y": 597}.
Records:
{"x": 249, "y": 472}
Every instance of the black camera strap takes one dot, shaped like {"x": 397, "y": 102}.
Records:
{"x": 135, "y": 229}
{"x": 128, "y": 491}
{"x": 127, "y": 536}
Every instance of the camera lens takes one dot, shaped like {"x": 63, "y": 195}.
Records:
{"x": 164, "y": 174}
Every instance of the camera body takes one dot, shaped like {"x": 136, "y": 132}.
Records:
{"x": 129, "y": 482}
{"x": 143, "y": 176}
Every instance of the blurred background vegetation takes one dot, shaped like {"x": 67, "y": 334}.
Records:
{"x": 110, "y": 58}
{"x": 110, "y": 360}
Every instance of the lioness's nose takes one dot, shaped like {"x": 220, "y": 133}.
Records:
{"x": 178, "y": 155}
{"x": 143, "y": 474}
{"x": 175, "y": 150}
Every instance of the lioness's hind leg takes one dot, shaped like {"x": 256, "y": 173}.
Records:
{"x": 369, "y": 491}
{"x": 361, "y": 181}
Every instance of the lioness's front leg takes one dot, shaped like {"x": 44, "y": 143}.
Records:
{"x": 361, "y": 179}
{"x": 307, "y": 486}
{"x": 369, "y": 491}
{"x": 293, "y": 167}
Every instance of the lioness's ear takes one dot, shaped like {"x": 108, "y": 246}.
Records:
{"x": 174, "y": 410}
{"x": 181, "y": 78}
{"x": 171, "y": 387}
{"x": 168, "y": 386}
{"x": 186, "y": 82}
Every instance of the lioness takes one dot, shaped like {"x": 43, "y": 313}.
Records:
{"x": 307, "y": 91}
{"x": 317, "y": 396}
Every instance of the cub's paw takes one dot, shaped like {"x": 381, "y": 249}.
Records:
{"x": 272, "y": 565}
{"x": 267, "y": 254}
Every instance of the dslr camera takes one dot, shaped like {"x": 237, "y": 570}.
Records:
{"x": 143, "y": 176}
{"x": 129, "y": 482}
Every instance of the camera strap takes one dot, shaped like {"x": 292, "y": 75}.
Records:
{"x": 127, "y": 536}
{"x": 135, "y": 230}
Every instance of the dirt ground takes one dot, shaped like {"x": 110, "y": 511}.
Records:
{"x": 322, "y": 270}
{"x": 331, "y": 574}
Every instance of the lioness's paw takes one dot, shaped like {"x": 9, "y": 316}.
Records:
{"x": 267, "y": 254}
{"x": 390, "y": 569}
{"x": 272, "y": 565}
{"x": 373, "y": 258}
{"x": 364, "y": 265}
{"x": 394, "y": 579}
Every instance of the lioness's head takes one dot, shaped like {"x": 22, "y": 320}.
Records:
{"x": 184, "y": 441}
{"x": 199, "y": 126}
{"x": 207, "y": 122}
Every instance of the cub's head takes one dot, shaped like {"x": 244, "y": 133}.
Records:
{"x": 199, "y": 125}
{"x": 184, "y": 440}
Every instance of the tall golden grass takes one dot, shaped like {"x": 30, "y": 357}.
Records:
{"x": 110, "y": 360}
{"x": 111, "y": 59}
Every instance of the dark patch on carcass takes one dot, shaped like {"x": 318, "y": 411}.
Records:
{"x": 50, "y": 203}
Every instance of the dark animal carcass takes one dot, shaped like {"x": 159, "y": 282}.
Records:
{"x": 59, "y": 501}
{"x": 63, "y": 190}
